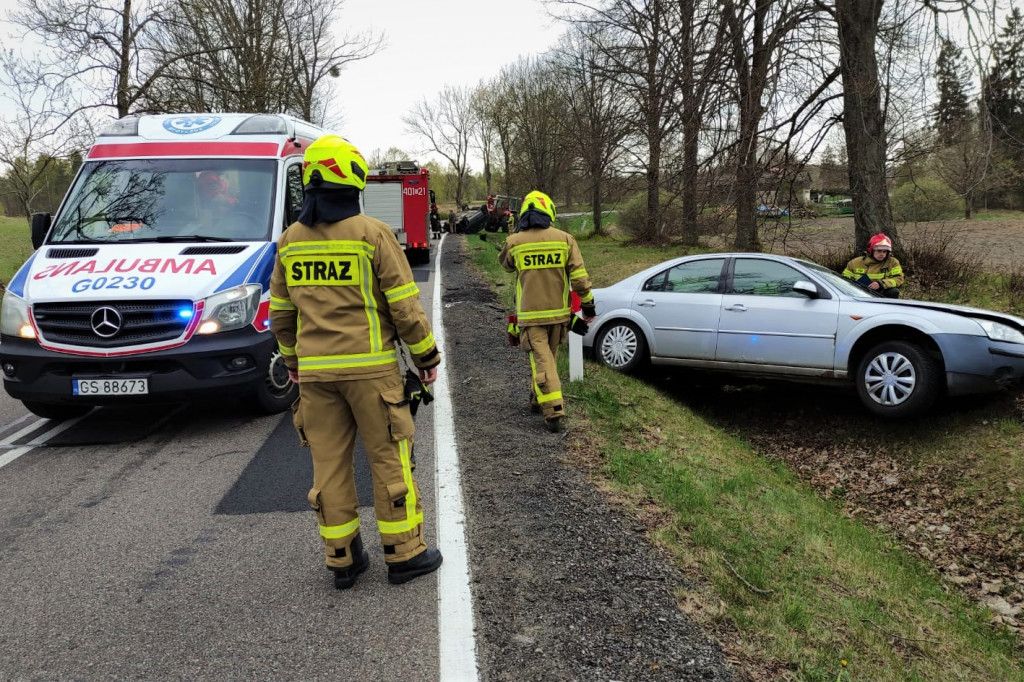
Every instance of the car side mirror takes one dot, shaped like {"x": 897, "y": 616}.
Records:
{"x": 40, "y": 226}
{"x": 806, "y": 288}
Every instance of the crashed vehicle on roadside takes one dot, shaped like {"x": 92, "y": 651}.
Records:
{"x": 767, "y": 316}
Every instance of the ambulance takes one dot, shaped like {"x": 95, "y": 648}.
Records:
{"x": 152, "y": 280}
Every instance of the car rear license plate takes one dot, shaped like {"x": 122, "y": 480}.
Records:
{"x": 109, "y": 386}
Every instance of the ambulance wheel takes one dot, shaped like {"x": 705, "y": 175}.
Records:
{"x": 277, "y": 392}
{"x": 58, "y": 412}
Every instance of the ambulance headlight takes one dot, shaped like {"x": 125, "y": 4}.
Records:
{"x": 14, "y": 317}
{"x": 231, "y": 309}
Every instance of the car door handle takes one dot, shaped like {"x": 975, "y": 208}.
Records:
{"x": 647, "y": 303}
{"x": 736, "y": 308}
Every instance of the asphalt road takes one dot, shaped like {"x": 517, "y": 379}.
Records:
{"x": 176, "y": 543}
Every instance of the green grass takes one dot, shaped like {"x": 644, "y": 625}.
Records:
{"x": 17, "y": 246}
{"x": 997, "y": 214}
{"x": 793, "y": 582}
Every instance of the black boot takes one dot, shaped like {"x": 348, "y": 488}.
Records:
{"x": 421, "y": 564}
{"x": 345, "y": 578}
{"x": 554, "y": 425}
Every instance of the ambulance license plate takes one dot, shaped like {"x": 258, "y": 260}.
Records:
{"x": 109, "y": 386}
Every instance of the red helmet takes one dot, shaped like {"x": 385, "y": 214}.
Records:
{"x": 880, "y": 241}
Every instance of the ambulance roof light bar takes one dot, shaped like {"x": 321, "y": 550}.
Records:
{"x": 122, "y": 127}
{"x": 262, "y": 124}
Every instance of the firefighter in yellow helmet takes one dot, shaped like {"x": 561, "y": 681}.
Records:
{"x": 341, "y": 297}
{"x": 547, "y": 263}
{"x": 878, "y": 270}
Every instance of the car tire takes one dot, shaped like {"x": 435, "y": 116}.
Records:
{"x": 621, "y": 345}
{"x": 898, "y": 379}
{"x": 277, "y": 392}
{"x": 58, "y": 412}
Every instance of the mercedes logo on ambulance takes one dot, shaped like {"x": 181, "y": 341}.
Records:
{"x": 106, "y": 321}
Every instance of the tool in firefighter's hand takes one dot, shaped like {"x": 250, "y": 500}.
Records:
{"x": 512, "y": 333}
{"x": 416, "y": 391}
{"x": 577, "y": 325}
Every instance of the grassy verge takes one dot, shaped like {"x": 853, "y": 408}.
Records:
{"x": 17, "y": 246}
{"x": 790, "y": 583}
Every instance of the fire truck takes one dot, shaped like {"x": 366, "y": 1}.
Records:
{"x": 399, "y": 195}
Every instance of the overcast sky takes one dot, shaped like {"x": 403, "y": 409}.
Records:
{"x": 429, "y": 44}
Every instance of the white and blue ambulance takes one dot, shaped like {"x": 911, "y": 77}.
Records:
{"x": 152, "y": 281}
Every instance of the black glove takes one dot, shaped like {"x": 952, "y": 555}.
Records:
{"x": 416, "y": 391}
{"x": 577, "y": 325}
{"x": 588, "y": 309}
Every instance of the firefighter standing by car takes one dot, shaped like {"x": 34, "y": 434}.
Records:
{"x": 344, "y": 275}
{"x": 547, "y": 263}
{"x": 879, "y": 270}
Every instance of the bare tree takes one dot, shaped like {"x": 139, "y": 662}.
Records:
{"x": 37, "y": 133}
{"x": 759, "y": 32}
{"x": 597, "y": 117}
{"x": 484, "y": 132}
{"x": 447, "y": 125}
{"x": 639, "y": 55}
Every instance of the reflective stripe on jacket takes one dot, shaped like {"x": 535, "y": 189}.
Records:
{"x": 340, "y": 296}
{"x": 548, "y": 264}
{"x": 888, "y": 272}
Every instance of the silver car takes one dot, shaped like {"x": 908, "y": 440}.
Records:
{"x": 774, "y": 316}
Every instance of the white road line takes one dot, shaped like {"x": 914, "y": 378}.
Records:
{"x": 456, "y": 643}
{"x": 11, "y": 425}
{"x": 9, "y": 440}
{"x": 12, "y": 455}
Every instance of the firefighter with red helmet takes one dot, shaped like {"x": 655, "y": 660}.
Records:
{"x": 345, "y": 275}
{"x": 879, "y": 270}
{"x": 548, "y": 264}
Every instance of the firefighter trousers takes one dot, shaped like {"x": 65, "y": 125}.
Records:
{"x": 327, "y": 416}
{"x": 541, "y": 344}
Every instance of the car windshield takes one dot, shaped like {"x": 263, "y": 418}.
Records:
{"x": 846, "y": 286}
{"x": 140, "y": 200}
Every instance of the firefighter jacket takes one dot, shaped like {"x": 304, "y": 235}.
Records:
{"x": 865, "y": 269}
{"x": 341, "y": 296}
{"x": 547, "y": 263}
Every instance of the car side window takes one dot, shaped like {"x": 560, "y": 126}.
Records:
{"x": 759, "y": 277}
{"x": 692, "y": 277}
{"x": 293, "y": 194}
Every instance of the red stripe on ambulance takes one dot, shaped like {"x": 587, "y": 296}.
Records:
{"x": 191, "y": 149}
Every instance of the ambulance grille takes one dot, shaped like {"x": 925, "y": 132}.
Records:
{"x": 211, "y": 250}
{"x": 140, "y": 322}
{"x": 71, "y": 253}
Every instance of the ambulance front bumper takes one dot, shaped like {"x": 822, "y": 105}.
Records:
{"x": 230, "y": 363}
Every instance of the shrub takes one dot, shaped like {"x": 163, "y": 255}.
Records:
{"x": 938, "y": 260}
{"x": 830, "y": 256}
{"x": 633, "y": 218}
{"x": 924, "y": 200}
{"x": 1012, "y": 284}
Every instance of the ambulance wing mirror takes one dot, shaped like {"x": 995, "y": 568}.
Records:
{"x": 40, "y": 226}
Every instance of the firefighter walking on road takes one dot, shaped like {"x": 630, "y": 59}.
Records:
{"x": 342, "y": 296}
{"x": 548, "y": 264}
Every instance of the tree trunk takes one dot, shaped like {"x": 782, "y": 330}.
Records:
{"x": 691, "y": 229}
{"x": 747, "y": 175}
{"x": 863, "y": 119}
{"x": 968, "y": 205}
{"x": 124, "y": 64}
{"x": 595, "y": 198}
{"x": 691, "y": 127}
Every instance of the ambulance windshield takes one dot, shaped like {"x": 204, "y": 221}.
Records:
{"x": 146, "y": 200}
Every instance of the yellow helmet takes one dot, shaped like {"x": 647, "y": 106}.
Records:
{"x": 333, "y": 161}
{"x": 540, "y": 201}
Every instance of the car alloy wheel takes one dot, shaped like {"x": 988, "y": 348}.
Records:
{"x": 890, "y": 379}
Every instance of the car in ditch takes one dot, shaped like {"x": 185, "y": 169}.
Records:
{"x": 768, "y": 316}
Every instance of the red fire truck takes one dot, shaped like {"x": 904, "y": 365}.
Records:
{"x": 399, "y": 195}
